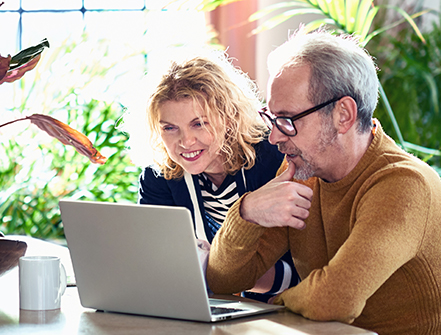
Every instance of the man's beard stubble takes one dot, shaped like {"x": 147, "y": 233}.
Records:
{"x": 327, "y": 137}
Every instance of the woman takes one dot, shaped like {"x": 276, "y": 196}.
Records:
{"x": 209, "y": 149}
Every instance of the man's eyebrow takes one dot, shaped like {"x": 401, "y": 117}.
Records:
{"x": 283, "y": 113}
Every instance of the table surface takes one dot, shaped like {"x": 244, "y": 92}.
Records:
{"x": 72, "y": 318}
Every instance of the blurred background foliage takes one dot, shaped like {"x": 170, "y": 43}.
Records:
{"x": 410, "y": 73}
{"x": 37, "y": 170}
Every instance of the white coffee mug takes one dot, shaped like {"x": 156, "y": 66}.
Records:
{"x": 42, "y": 282}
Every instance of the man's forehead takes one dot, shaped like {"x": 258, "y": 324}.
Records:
{"x": 287, "y": 88}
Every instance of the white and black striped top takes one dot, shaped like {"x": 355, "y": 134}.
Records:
{"x": 217, "y": 201}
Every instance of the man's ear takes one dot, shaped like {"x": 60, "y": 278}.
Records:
{"x": 345, "y": 114}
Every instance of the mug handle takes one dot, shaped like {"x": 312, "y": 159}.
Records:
{"x": 63, "y": 279}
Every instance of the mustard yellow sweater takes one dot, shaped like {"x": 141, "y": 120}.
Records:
{"x": 370, "y": 254}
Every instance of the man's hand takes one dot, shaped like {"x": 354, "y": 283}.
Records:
{"x": 276, "y": 300}
{"x": 279, "y": 203}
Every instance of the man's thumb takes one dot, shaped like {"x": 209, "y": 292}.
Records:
{"x": 288, "y": 173}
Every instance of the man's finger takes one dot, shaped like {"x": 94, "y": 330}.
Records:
{"x": 288, "y": 174}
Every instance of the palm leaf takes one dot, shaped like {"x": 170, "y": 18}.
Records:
{"x": 391, "y": 115}
{"x": 269, "y": 9}
{"x": 323, "y": 6}
{"x": 409, "y": 19}
{"x": 394, "y": 24}
{"x": 332, "y": 10}
{"x": 351, "y": 9}
{"x": 419, "y": 148}
{"x": 433, "y": 90}
{"x": 209, "y": 5}
{"x": 368, "y": 23}
{"x": 339, "y": 9}
{"x": 278, "y": 19}
{"x": 362, "y": 12}
{"x": 318, "y": 23}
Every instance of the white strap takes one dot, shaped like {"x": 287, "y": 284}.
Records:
{"x": 244, "y": 179}
{"x": 200, "y": 230}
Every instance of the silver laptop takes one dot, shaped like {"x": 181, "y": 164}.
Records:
{"x": 142, "y": 259}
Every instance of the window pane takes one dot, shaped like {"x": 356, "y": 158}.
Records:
{"x": 8, "y": 37}
{"x": 51, "y": 4}
{"x": 173, "y": 4}
{"x": 173, "y": 27}
{"x": 10, "y": 5}
{"x": 123, "y": 27}
{"x": 114, "y": 4}
{"x": 56, "y": 27}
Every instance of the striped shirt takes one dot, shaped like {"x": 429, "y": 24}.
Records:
{"x": 217, "y": 201}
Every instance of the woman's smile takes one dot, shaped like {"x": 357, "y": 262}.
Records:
{"x": 191, "y": 155}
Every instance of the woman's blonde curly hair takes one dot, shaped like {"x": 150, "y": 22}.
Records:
{"x": 230, "y": 101}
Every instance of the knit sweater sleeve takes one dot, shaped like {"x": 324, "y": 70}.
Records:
{"x": 242, "y": 252}
{"x": 387, "y": 225}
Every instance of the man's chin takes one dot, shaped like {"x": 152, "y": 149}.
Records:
{"x": 302, "y": 173}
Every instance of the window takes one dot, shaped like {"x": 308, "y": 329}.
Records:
{"x": 126, "y": 32}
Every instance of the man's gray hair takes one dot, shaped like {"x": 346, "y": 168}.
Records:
{"x": 339, "y": 67}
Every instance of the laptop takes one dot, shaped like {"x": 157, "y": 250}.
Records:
{"x": 142, "y": 259}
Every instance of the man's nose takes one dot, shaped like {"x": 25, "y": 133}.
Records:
{"x": 276, "y": 136}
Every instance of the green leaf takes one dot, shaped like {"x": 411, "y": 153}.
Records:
{"x": 278, "y": 19}
{"x": 267, "y": 10}
{"x": 339, "y": 10}
{"x": 318, "y": 23}
{"x": 209, "y": 5}
{"x": 26, "y": 55}
{"x": 394, "y": 24}
{"x": 368, "y": 23}
{"x": 362, "y": 12}
{"x": 391, "y": 114}
{"x": 419, "y": 148}
{"x": 332, "y": 11}
{"x": 433, "y": 90}
{"x": 323, "y": 5}
{"x": 409, "y": 19}
{"x": 351, "y": 14}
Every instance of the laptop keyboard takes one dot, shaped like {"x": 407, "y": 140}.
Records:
{"x": 223, "y": 310}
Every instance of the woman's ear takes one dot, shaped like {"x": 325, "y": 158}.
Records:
{"x": 345, "y": 114}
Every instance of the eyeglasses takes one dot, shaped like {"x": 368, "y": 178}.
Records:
{"x": 286, "y": 124}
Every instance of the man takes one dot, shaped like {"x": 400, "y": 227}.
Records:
{"x": 362, "y": 218}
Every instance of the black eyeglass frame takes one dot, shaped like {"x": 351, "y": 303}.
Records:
{"x": 273, "y": 121}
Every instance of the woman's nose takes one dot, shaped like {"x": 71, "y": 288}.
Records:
{"x": 187, "y": 139}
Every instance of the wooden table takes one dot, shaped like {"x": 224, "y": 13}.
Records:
{"x": 72, "y": 318}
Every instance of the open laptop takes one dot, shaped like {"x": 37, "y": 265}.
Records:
{"x": 142, "y": 259}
